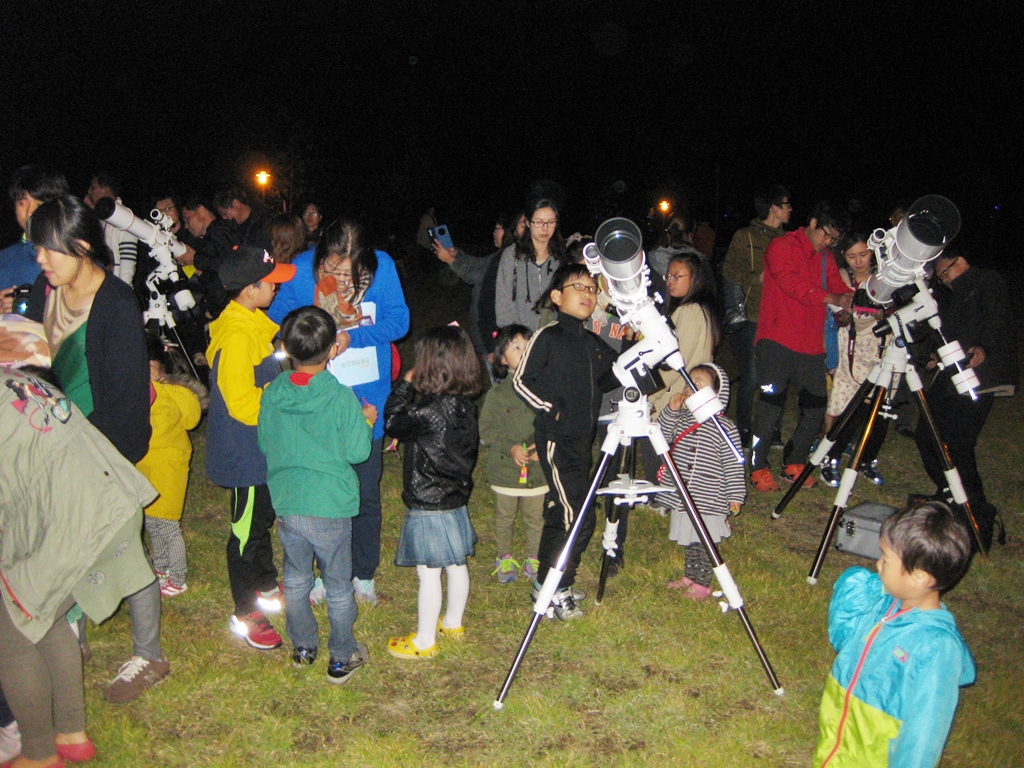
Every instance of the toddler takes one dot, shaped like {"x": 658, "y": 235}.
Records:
{"x": 177, "y": 403}
{"x": 506, "y": 427}
{"x": 712, "y": 476}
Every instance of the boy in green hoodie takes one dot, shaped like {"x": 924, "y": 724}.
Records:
{"x": 312, "y": 430}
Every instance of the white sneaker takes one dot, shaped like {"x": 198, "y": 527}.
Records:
{"x": 10, "y": 742}
{"x": 365, "y": 591}
{"x": 271, "y": 601}
{"x": 318, "y": 593}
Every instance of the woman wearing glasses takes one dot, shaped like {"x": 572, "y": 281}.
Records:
{"x": 527, "y": 265}
{"x": 859, "y": 350}
{"x": 312, "y": 218}
{"x": 694, "y": 314}
{"x": 359, "y": 288}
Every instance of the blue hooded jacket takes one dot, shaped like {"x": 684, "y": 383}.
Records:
{"x": 900, "y": 708}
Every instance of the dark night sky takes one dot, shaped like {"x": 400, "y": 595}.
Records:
{"x": 374, "y": 107}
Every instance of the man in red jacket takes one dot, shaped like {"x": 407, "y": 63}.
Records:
{"x": 790, "y": 344}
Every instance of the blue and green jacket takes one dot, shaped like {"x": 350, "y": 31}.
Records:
{"x": 890, "y": 698}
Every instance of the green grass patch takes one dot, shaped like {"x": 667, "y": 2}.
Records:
{"x": 645, "y": 679}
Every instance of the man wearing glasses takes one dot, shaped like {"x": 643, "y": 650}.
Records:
{"x": 800, "y": 279}
{"x": 976, "y": 313}
{"x": 744, "y": 265}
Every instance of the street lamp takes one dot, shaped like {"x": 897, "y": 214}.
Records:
{"x": 262, "y": 179}
{"x": 664, "y": 206}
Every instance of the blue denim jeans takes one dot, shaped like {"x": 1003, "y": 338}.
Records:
{"x": 330, "y": 542}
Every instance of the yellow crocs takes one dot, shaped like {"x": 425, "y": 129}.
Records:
{"x": 455, "y": 633}
{"x": 404, "y": 648}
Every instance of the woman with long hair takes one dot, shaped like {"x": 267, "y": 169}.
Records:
{"x": 694, "y": 313}
{"x": 312, "y": 218}
{"x": 287, "y": 237}
{"x": 359, "y": 287}
{"x": 859, "y": 350}
{"x": 525, "y": 267}
{"x": 93, "y": 325}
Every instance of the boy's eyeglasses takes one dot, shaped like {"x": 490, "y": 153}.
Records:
{"x": 583, "y": 288}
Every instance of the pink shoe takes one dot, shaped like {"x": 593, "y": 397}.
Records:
{"x": 697, "y": 592}
{"x": 682, "y": 583}
{"x": 77, "y": 753}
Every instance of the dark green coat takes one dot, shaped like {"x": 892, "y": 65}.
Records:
{"x": 505, "y": 420}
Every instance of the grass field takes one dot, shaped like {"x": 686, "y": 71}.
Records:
{"x": 647, "y": 678}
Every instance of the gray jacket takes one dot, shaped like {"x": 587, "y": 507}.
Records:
{"x": 519, "y": 285}
{"x": 66, "y": 494}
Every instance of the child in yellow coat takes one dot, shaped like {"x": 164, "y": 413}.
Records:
{"x": 176, "y": 405}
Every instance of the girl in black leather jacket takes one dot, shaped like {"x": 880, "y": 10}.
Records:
{"x": 430, "y": 410}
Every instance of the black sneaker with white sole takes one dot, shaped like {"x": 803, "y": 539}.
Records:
{"x": 340, "y": 671}
{"x": 302, "y": 657}
{"x": 565, "y": 605}
{"x": 577, "y": 594}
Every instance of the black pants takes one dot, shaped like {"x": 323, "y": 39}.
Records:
{"x": 741, "y": 343}
{"x": 366, "y": 525}
{"x": 874, "y": 443}
{"x": 960, "y": 421}
{"x": 778, "y": 368}
{"x": 566, "y": 467}
{"x": 250, "y": 552}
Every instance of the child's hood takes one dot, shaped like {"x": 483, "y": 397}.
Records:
{"x": 724, "y": 386}
{"x": 294, "y": 398}
{"x": 191, "y": 383}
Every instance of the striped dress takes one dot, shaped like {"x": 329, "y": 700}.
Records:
{"x": 709, "y": 469}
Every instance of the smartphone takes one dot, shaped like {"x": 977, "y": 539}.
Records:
{"x": 440, "y": 233}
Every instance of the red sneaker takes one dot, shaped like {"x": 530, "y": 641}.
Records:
{"x": 791, "y": 472}
{"x": 256, "y": 631}
{"x": 763, "y": 481}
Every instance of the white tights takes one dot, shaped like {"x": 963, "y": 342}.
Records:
{"x": 429, "y": 605}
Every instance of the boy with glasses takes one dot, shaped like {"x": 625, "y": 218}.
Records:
{"x": 562, "y": 375}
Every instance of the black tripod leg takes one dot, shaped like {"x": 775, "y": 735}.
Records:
{"x": 551, "y": 581}
{"x": 824, "y": 446}
{"x": 956, "y": 486}
{"x": 626, "y": 463}
{"x": 185, "y": 352}
{"x": 846, "y": 483}
{"x": 721, "y": 570}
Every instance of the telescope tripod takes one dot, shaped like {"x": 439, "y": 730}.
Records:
{"x": 866, "y": 404}
{"x": 160, "y": 313}
{"x": 631, "y": 421}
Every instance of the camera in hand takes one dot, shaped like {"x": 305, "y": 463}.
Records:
{"x": 20, "y": 297}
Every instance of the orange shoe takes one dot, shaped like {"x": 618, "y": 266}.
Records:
{"x": 763, "y": 481}
{"x": 791, "y": 472}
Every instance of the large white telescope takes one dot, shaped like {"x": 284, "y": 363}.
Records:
{"x": 905, "y": 250}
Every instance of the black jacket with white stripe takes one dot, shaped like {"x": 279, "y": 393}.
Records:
{"x": 563, "y": 373}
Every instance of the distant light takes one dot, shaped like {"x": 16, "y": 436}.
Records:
{"x": 997, "y": 207}
{"x": 262, "y": 178}
{"x": 664, "y": 205}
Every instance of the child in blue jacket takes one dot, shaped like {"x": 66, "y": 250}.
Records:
{"x": 893, "y": 689}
